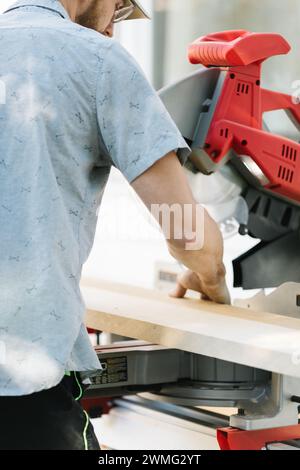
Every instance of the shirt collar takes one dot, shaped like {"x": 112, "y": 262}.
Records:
{"x": 51, "y": 5}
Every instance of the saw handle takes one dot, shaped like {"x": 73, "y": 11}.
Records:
{"x": 236, "y": 48}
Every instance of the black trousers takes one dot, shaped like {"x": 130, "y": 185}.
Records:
{"x": 48, "y": 420}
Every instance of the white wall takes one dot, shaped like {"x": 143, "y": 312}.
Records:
{"x": 136, "y": 36}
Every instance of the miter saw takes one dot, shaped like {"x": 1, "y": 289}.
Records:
{"x": 251, "y": 176}
{"x": 254, "y": 174}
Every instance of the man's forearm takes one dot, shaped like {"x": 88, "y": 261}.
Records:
{"x": 193, "y": 237}
{"x": 165, "y": 191}
{"x": 209, "y": 257}
{"x": 206, "y": 268}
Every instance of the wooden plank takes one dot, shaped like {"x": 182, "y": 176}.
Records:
{"x": 258, "y": 339}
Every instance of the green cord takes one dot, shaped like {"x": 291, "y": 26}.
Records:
{"x": 79, "y": 386}
{"x": 86, "y": 446}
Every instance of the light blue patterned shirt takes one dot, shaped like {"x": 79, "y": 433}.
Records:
{"x": 72, "y": 104}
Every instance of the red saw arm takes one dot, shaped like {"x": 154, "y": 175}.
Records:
{"x": 237, "y": 123}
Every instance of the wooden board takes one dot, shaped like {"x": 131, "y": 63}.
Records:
{"x": 258, "y": 339}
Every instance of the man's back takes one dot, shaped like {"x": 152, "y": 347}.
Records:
{"x": 51, "y": 181}
{"x": 75, "y": 104}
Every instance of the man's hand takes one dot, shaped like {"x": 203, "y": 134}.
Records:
{"x": 192, "y": 281}
{"x": 165, "y": 184}
{"x": 206, "y": 273}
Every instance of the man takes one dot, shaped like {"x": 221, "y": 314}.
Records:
{"x": 75, "y": 104}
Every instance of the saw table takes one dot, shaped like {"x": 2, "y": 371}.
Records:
{"x": 196, "y": 353}
{"x": 258, "y": 339}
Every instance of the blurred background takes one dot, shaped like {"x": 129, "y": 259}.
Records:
{"x": 128, "y": 248}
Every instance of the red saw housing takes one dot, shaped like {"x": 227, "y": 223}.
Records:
{"x": 237, "y": 123}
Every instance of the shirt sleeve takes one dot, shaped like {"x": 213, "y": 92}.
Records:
{"x": 134, "y": 125}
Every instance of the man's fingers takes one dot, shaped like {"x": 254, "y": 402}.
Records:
{"x": 185, "y": 281}
{"x": 179, "y": 292}
{"x": 191, "y": 281}
{"x": 218, "y": 293}
{"x": 204, "y": 297}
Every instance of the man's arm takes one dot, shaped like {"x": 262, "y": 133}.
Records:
{"x": 165, "y": 183}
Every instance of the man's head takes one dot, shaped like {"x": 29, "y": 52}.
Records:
{"x": 101, "y": 15}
